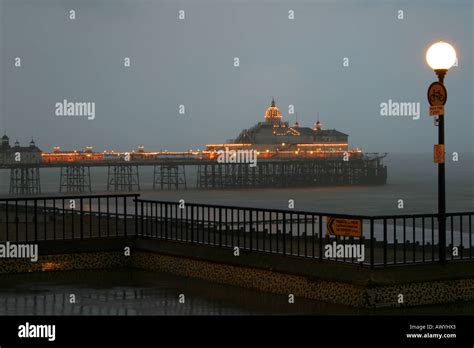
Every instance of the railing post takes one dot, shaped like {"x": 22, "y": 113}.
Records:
{"x": 320, "y": 232}
{"x": 125, "y": 215}
{"x": 470, "y": 236}
{"x": 220, "y": 227}
{"x": 116, "y": 217}
{"x": 17, "y": 222}
{"x": 6, "y": 218}
{"x": 45, "y": 224}
{"x": 136, "y": 216}
{"x": 81, "y": 223}
{"x": 108, "y": 216}
{"x": 441, "y": 228}
{"x": 284, "y": 233}
{"x": 461, "y": 237}
{"x": 98, "y": 208}
{"x": 192, "y": 224}
{"x": 250, "y": 227}
{"x": 384, "y": 242}
{"x": 371, "y": 243}
{"x": 141, "y": 218}
{"x": 35, "y": 219}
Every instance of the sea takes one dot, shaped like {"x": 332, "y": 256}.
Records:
{"x": 411, "y": 188}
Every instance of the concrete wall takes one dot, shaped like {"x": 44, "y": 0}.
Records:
{"x": 330, "y": 282}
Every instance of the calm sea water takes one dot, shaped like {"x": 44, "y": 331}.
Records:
{"x": 411, "y": 177}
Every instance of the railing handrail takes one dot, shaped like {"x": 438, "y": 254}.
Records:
{"x": 288, "y": 211}
{"x": 272, "y": 210}
{"x": 41, "y": 198}
{"x": 255, "y": 208}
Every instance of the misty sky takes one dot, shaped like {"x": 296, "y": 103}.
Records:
{"x": 190, "y": 62}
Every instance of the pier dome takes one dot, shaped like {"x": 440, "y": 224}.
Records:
{"x": 273, "y": 114}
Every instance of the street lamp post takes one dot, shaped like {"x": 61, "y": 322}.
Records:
{"x": 440, "y": 57}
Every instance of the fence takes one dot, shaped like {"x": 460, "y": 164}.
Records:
{"x": 32, "y": 219}
{"x": 385, "y": 240}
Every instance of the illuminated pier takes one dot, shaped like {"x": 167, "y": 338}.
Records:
{"x": 284, "y": 156}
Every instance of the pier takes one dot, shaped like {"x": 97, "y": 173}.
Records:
{"x": 288, "y": 156}
{"x": 170, "y": 173}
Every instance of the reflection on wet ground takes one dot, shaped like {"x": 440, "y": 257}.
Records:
{"x": 138, "y": 292}
{"x": 133, "y": 292}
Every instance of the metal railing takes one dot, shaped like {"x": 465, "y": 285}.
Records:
{"x": 32, "y": 219}
{"x": 384, "y": 240}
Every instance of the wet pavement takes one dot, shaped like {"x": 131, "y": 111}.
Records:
{"x": 139, "y": 292}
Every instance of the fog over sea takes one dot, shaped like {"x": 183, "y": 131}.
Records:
{"x": 411, "y": 177}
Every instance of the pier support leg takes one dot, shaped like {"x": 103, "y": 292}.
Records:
{"x": 75, "y": 179}
{"x": 292, "y": 173}
{"x": 25, "y": 180}
{"x": 168, "y": 177}
{"x": 123, "y": 177}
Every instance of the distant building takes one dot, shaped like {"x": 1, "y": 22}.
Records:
{"x": 27, "y": 154}
{"x": 276, "y": 138}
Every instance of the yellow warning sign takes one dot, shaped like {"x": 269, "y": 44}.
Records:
{"x": 436, "y": 110}
{"x": 438, "y": 153}
{"x": 344, "y": 227}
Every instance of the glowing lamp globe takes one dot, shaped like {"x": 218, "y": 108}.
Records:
{"x": 441, "y": 56}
